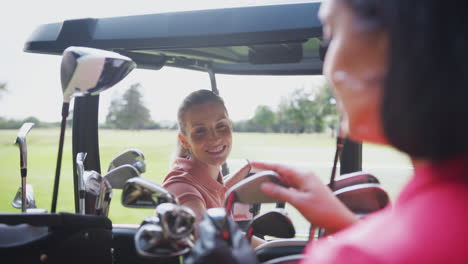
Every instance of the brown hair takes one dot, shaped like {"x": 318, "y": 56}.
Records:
{"x": 195, "y": 98}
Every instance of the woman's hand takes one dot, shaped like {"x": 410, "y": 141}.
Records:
{"x": 309, "y": 195}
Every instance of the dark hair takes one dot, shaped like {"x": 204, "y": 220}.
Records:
{"x": 425, "y": 97}
{"x": 195, "y": 98}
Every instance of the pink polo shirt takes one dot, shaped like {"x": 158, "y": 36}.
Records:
{"x": 428, "y": 223}
{"x": 188, "y": 180}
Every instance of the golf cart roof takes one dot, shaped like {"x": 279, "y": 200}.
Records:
{"x": 269, "y": 40}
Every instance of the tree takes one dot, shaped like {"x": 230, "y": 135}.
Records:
{"x": 264, "y": 118}
{"x": 129, "y": 112}
{"x": 307, "y": 110}
{"x": 2, "y": 88}
{"x": 326, "y": 109}
{"x": 295, "y": 112}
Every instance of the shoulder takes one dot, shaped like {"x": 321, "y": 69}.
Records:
{"x": 427, "y": 228}
{"x": 439, "y": 212}
{"x": 184, "y": 191}
{"x": 180, "y": 187}
{"x": 439, "y": 204}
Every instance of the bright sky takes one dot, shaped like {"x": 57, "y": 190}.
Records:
{"x": 33, "y": 80}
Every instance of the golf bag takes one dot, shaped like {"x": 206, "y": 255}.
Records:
{"x": 55, "y": 238}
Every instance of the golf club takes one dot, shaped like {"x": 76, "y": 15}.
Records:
{"x": 151, "y": 243}
{"x": 363, "y": 199}
{"x": 105, "y": 194}
{"x": 219, "y": 218}
{"x": 349, "y": 179}
{"x": 339, "y": 148}
{"x": 272, "y": 223}
{"x": 21, "y": 142}
{"x": 168, "y": 233}
{"x": 248, "y": 190}
{"x": 114, "y": 179}
{"x": 132, "y": 157}
{"x": 80, "y": 158}
{"x": 177, "y": 221}
{"x": 30, "y": 200}
{"x": 142, "y": 193}
{"x": 92, "y": 185}
{"x": 86, "y": 71}
{"x": 117, "y": 177}
{"x": 107, "y": 200}
{"x": 148, "y": 238}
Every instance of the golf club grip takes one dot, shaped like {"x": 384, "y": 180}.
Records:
{"x": 23, "y": 194}
{"x": 63, "y": 124}
{"x": 82, "y": 202}
{"x": 339, "y": 147}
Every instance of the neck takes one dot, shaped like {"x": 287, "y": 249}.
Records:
{"x": 212, "y": 170}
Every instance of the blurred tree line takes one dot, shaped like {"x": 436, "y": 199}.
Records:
{"x": 15, "y": 124}
{"x": 303, "y": 111}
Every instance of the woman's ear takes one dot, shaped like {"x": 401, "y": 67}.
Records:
{"x": 183, "y": 141}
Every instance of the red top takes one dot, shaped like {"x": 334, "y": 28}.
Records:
{"x": 428, "y": 223}
{"x": 189, "y": 180}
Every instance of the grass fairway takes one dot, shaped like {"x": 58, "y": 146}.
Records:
{"x": 314, "y": 151}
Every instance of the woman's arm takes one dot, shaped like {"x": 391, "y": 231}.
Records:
{"x": 310, "y": 196}
{"x": 197, "y": 207}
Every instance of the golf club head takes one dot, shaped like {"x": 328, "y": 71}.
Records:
{"x": 364, "y": 198}
{"x": 89, "y": 71}
{"x": 21, "y": 142}
{"x": 142, "y": 193}
{"x": 107, "y": 201}
{"x": 80, "y": 158}
{"x": 176, "y": 220}
{"x": 103, "y": 200}
{"x": 132, "y": 157}
{"x": 30, "y": 200}
{"x": 354, "y": 178}
{"x": 273, "y": 223}
{"x": 248, "y": 190}
{"x": 219, "y": 218}
{"x": 150, "y": 242}
{"x": 92, "y": 184}
{"x": 117, "y": 177}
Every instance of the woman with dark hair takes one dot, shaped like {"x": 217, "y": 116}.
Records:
{"x": 399, "y": 70}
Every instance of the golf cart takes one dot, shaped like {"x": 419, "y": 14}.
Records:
{"x": 259, "y": 40}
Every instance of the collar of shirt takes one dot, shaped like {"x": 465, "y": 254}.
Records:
{"x": 200, "y": 173}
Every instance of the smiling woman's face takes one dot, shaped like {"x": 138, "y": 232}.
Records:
{"x": 355, "y": 66}
{"x": 208, "y": 133}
